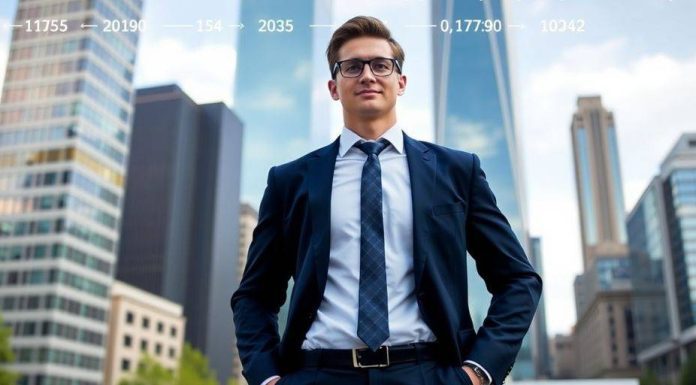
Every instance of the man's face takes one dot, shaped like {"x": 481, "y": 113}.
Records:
{"x": 353, "y": 92}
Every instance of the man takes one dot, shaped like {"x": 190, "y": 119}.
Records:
{"x": 374, "y": 229}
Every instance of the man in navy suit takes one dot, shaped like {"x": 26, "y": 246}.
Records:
{"x": 374, "y": 229}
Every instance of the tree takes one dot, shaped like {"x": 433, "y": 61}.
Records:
{"x": 688, "y": 373}
{"x": 150, "y": 372}
{"x": 194, "y": 369}
{"x": 7, "y": 377}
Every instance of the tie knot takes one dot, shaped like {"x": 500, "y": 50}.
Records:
{"x": 371, "y": 148}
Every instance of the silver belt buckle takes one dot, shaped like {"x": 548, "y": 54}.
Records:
{"x": 357, "y": 364}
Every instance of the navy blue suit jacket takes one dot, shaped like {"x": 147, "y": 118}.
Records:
{"x": 454, "y": 211}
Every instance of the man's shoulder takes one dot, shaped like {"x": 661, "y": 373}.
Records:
{"x": 447, "y": 153}
{"x": 299, "y": 164}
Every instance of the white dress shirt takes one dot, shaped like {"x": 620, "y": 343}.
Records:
{"x": 335, "y": 325}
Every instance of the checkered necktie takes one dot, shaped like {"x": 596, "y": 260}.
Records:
{"x": 373, "y": 316}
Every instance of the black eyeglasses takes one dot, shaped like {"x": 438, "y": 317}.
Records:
{"x": 352, "y": 68}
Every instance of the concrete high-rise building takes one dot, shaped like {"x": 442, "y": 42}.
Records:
{"x": 248, "y": 218}
{"x": 480, "y": 118}
{"x": 181, "y": 213}
{"x": 598, "y": 181}
{"x": 64, "y": 134}
{"x": 540, "y": 340}
{"x": 604, "y": 335}
{"x": 141, "y": 323}
{"x": 661, "y": 231}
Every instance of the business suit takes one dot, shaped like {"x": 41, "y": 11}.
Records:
{"x": 453, "y": 211}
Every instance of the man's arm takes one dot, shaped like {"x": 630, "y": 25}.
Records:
{"x": 261, "y": 292}
{"x": 509, "y": 277}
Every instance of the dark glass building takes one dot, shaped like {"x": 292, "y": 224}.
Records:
{"x": 181, "y": 214}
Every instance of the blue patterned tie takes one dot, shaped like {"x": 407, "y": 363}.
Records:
{"x": 373, "y": 315}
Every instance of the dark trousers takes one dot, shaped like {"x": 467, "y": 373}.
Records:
{"x": 425, "y": 372}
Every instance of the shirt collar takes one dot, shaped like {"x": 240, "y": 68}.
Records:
{"x": 394, "y": 135}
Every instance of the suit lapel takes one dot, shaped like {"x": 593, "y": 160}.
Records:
{"x": 320, "y": 182}
{"x": 421, "y": 166}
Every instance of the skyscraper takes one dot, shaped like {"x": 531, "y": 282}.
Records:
{"x": 540, "y": 343}
{"x": 278, "y": 61}
{"x": 654, "y": 299}
{"x": 604, "y": 336}
{"x": 181, "y": 213}
{"x": 279, "y": 64}
{"x": 662, "y": 229}
{"x": 474, "y": 112}
{"x": 64, "y": 134}
{"x": 598, "y": 180}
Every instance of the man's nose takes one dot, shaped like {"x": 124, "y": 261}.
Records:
{"x": 367, "y": 73}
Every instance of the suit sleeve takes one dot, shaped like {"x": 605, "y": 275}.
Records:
{"x": 508, "y": 275}
{"x": 262, "y": 291}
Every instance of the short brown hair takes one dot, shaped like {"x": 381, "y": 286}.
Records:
{"x": 357, "y": 27}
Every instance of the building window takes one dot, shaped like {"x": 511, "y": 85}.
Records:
{"x": 172, "y": 331}
{"x": 129, "y": 318}
{"x": 125, "y": 365}
{"x": 127, "y": 341}
{"x": 158, "y": 349}
{"x": 172, "y": 353}
{"x": 160, "y": 327}
{"x": 146, "y": 323}
{"x": 143, "y": 345}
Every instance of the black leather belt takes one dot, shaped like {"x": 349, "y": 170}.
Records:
{"x": 366, "y": 358}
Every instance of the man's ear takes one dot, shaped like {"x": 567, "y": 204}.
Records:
{"x": 333, "y": 89}
{"x": 402, "y": 85}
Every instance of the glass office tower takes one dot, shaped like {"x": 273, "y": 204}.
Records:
{"x": 278, "y": 64}
{"x": 473, "y": 95}
{"x": 64, "y": 134}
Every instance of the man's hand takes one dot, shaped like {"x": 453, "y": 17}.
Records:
{"x": 470, "y": 372}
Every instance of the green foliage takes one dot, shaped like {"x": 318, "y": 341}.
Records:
{"x": 649, "y": 378}
{"x": 149, "y": 372}
{"x": 688, "y": 373}
{"x": 193, "y": 370}
{"x": 6, "y": 356}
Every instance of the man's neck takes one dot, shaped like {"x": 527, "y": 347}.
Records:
{"x": 370, "y": 129}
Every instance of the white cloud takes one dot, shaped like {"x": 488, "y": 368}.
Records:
{"x": 474, "y": 136}
{"x": 651, "y": 97}
{"x": 205, "y": 72}
{"x": 272, "y": 100}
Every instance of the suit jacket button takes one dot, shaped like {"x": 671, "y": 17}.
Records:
{"x": 310, "y": 316}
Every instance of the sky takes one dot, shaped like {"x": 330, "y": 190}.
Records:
{"x": 639, "y": 56}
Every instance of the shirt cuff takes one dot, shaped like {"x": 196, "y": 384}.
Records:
{"x": 490, "y": 380}
{"x": 269, "y": 379}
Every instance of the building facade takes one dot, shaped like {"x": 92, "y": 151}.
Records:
{"x": 540, "y": 340}
{"x": 604, "y": 334}
{"x": 65, "y": 124}
{"x": 141, "y": 323}
{"x": 474, "y": 112}
{"x": 183, "y": 192}
{"x": 662, "y": 229}
{"x": 248, "y": 218}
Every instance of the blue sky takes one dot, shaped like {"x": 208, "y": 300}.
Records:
{"x": 638, "y": 55}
